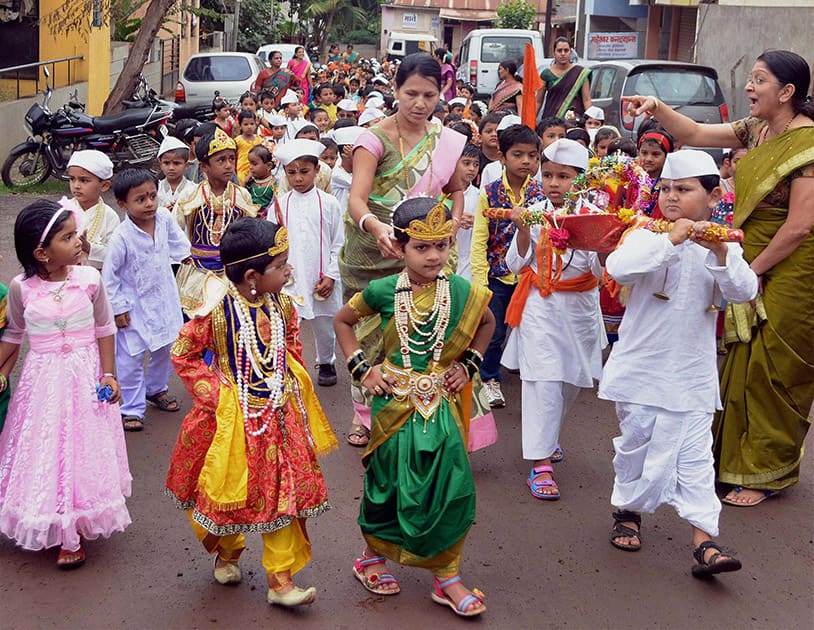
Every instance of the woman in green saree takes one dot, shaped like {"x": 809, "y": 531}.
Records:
{"x": 767, "y": 384}
{"x": 419, "y": 494}
{"x": 403, "y": 156}
{"x": 565, "y": 85}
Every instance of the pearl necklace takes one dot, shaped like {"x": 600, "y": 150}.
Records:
{"x": 408, "y": 318}
{"x": 219, "y": 214}
{"x": 248, "y": 359}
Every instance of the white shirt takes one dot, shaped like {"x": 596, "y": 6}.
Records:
{"x": 560, "y": 337}
{"x": 98, "y": 223}
{"x": 316, "y": 235}
{"x": 166, "y": 196}
{"x": 494, "y": 171}
{"x": 139, "y": 281}
{"x": 666, "y": 356}
{"x": 464, "y": 236}
{"x": 340, "y": 185}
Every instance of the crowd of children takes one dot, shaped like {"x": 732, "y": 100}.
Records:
{"x": 248, "y": 214}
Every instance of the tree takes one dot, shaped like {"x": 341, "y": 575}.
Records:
{"x": 79, "y": 16}
{"x": 516, "y": 14}
{"x": 325, "y": 12}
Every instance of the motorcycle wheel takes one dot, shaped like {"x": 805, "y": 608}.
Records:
{"x": 26, "y": 165}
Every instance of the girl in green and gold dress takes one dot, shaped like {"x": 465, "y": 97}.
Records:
{"x": 419, "y": 494}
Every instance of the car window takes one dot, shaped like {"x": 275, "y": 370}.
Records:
{"x": 602, "y": 83}
{"x": 674, "y": 87}
{"x": 495, "y": 49}
{"x": 218, "y": 69}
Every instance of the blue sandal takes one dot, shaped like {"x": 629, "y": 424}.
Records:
{"x": 462, "y": 608}
{"x": 536, "y": 486}
{"x": 557, "y": 456}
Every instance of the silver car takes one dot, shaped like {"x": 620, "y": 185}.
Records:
{"x": 230, "y": 73}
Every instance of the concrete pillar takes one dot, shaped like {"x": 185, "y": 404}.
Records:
{"x": 651, "y": 46}
{"x": 98, "y": 65}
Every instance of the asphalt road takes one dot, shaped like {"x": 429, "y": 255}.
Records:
{"x": 541, "y": 564}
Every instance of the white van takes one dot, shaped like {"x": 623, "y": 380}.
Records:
{"x": 287, "y": 50}
{"x": 483, "y": 49}
{"x": 401, "y": 44}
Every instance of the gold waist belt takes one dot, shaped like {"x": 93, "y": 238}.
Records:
{"x": 423, "y": 390}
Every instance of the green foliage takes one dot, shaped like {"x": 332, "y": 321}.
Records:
{"x": 515, "y": 14}
{"x": 361, "y": 37}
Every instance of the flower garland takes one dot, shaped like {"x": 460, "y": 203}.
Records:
{"x": 616, "y": 184}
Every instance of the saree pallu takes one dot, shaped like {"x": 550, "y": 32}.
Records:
{"x": 767, "y": 384}
{"x": 419, "y": 493}
{"x": 504, "y": 96}
{"x": 563, "y": 92}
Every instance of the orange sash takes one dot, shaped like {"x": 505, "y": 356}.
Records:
{"x": 547, "y": 281}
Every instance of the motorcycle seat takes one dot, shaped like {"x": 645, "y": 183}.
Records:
{"x": 118, "y": 122}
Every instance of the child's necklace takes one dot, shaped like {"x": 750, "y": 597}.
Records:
{"x": 408, "y": 318}
{"x": 220, "y": 211}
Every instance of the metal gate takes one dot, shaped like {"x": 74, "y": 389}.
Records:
{"x": 170, "y": 60}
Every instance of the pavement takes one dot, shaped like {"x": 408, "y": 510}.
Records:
{"x": 541, "y": 564}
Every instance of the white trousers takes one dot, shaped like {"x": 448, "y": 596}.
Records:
{"x": 666, "y": 457}
{"x": 544, "y": 405}
{"x": 324, "y": 338}
{"x": 136, "y": 382}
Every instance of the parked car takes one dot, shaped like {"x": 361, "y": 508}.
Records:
{"x": 287, "y": 51}
{"x": 230, "y": 73}
{"x": 483, "y": 49}
{"x": 689, "y": 88}
{"x": 400, "y": 44}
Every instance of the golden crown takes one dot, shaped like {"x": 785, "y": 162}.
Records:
{"x": 280, "y": 246}
{"x": 220, "y": 142}
{"x": 434, "y": 228}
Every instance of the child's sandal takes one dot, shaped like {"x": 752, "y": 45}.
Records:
{"x": 463, "y": 607}
{"x": 164, "y": 402}
{"x": 75, "y": 563}
{"x": 620, "y": 530}
{"x": 132, "y": 423}
{"x": 720, "y": 562}
{"x": 375, "y": 582}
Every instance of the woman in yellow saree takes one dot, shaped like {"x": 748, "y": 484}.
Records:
{"x": 767, "y": 384}
{"x": 419, "y": 494}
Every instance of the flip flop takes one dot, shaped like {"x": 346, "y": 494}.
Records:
{"x": 537, "y": 486}
{"x": 738, "y": 489}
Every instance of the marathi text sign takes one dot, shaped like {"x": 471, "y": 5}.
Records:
{"x": 613, "y": 45}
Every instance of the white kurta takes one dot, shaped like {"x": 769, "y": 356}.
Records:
{"x": 139, "y": 280}
{"x": 464, "y": 236}
{"x": 167, "y": 197}
{"x": 98, "y": 223}
{"x": 560, "y": 336}
{"x": 666, "y": 355}
{"x": 340, "y": 186}
{"x": 315, "y": 233}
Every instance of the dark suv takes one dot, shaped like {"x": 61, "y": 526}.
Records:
{"x": 689, "y": 88}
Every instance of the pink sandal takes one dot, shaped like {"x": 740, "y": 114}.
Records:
{"x": 375, "y": 581}
{"x": 462, "y": 607}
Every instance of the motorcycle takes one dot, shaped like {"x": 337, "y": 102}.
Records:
{"x": 130, "y": 138}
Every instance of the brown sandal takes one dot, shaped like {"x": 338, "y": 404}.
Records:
{"x": 132, "y": 423}
{"x": 164, "y": 402}
{"x": 359, "y": 436}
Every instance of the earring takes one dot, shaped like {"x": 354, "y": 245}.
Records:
{"x": 253, "y": 289}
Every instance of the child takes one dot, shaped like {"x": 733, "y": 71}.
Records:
{"x": 604, "y": 136}
{"x": 467, "y": 171}
{"x": 490, "y": 148}
{"x": 223, "y": 115}
{"x": 245, "y": 142}
{"x": 321, "y": 121}
{"x": 143, "y": 294}
{"x": 314, "y": 224}
{"x": 278, "y": 127}
{"x": 436, "y": 328}
{"x": 324, "y": 98}
{"x": 556, "y": 339}
{"x": 578, "y": 134}
{"x": 594, "y": 119}
{"x": 173, "y": 157}
{"x": 262, "y": 184}
{"x": 494, "y": 170}
{"x": 89, "y": 174}
{"x": 63, "y": 460}
{"x": 370, "y": 117}
{"x": 626, "y": 146}
{"x": 330, "y": 154}
{"x": 346, "y": 110}
{"x": 491, "y": 239}
{"x": 550, "y": 130}
{"x": 249, "y": 102}
{"x": 666, "y": 385}
{"x": 194, "y": 172}
{"x": 341, "y": 175}
{"x": 292, "y": 111}
{"x": 265, "y": 113}
{"x": 261, "y": 397}
{"x": 354, "y": 84}
{"x": 206, "y": 211}
{"x": 307, "y": 131}
{"x": 654, "y": 146}
{"x": 457, "y": 105}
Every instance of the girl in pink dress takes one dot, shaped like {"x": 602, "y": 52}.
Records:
{"x": 63, "y": 462}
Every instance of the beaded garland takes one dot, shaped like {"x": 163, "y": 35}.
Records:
{"x": 269, "y": 366}
{"x": 430, "y": 326}
{"x": 605, "y": 178}
{"x": 218, "y": 212}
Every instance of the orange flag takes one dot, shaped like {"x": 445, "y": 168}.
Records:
{"x": 531, "y": 83}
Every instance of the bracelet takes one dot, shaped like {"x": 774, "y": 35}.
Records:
{"x": 470, "y": 369}
{"x": 354, "y": 355}
{"x": 472, "y": 356}
{"x": 355, "y": 361}
{"x": 364, "y": 376}
{"x": 364, "y": 218}
{"x": 359, "y": 370}
{"x": 111, "y": 375}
